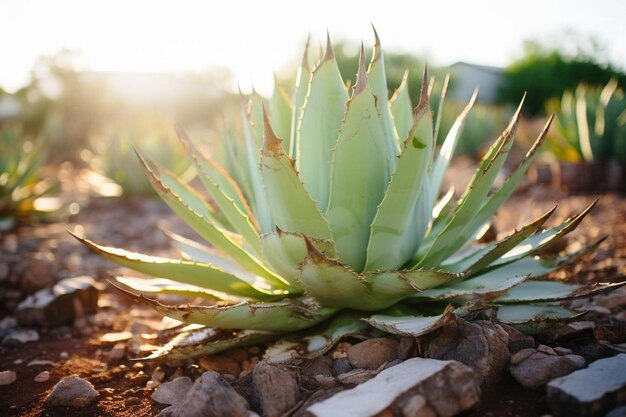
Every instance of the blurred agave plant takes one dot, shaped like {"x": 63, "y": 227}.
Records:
{"x": 591, "y": 124}
{"x": 115, "y": 158}
{"x": 328, "y": 225}
{"x": 22, "y": 190}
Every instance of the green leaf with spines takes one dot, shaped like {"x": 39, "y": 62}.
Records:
{"x": 446, "y": 243}
{"x": 401, "y": 108}
{"x": 187, "y": 272}
{"x": 378, "y": 84}
{"x": 194, "y": 210}
{"x": 324, "y": 108}
{"x": 280, "y": 316}
{"x": 359, "y": 177}
{"x": 290, "y": 204}
{"x": 393, "y": 238}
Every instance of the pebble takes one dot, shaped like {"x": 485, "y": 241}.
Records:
{"x": 532, "y": 369}
{"x": 277, "y": 389}
{"x": 39, "y": 274}
{"x": 42, "y": 376}
{"x": 446, "y": 388}
{"x": 561, "y": 351}
{"x": 21, "y": 336}
{"x": 210, "y": 395}
{"x": 8, "y": 323}
{"x": 224, "y": 365}
{"x": 322, "y": 365}
{"x": 115, "y": 337}
{"x": 590, "y": 392}
{"x": 357, "y": 376}
{"x": 72, "y": 391}
{"x": 546, "y": 349}
{"x": 40, "y": 362}
{"x": 7, "y": 377}
{"x": 517, "y": 339}
{"x": 372, "y": 353}
{"x": 617, "y": 412}
{"x": 341, "y": 366}
{"x": 481, "y": 345}
{"x": 64, "y": 355}
{"x": 117, "y": 352}
{"x": 172, "y": 392}
{"x": 69, "y": 299}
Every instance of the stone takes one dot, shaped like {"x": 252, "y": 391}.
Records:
{"x": 7, "y": 377}
{"x": 561, "y": 351}
{"x": 117, "y": 352}
{"x": 546, "y": 349}
{"x": 592, "y": 391}
{"x": 68, "y": 299}
{"x": 517, "y": 339}
{"x": 617, "y": 412}
{"x": 533, "y": 369}
{"x": 358, "y": 376}
{"x": 277, "y": 389}
{"x": 21, "y": 336}
{"x": 446, "y": 387}
{"x": 42, "y": 376}
{"x": 72, "y": 391}
{"x": 614, "y": 299}
{"x": 40, "y": 362}
{"x": 209, "y": 396}
{"x": 322, "y": 365}
{"x": 341, "y": 366}
{"x": 172, "y": 392}
{"x": 406, "y": 347}
{"x": 372, "y": 353}
{"x": 39, "y": 274}
{"x": 115, "y": 337}
{"x": 570, "y": 331}
{"x": 224, "y": 365}
{"x": 521, "y": 356}
{"x": 481, "y": 345}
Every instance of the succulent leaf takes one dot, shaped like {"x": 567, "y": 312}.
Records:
{"x": 201, "y": 341}
{"x": 290, "y": 204}
{"x": 187, "y": 272}
{"x": 317, "y": 130}
{"x": 360, "y": 174}
{"x": 393, "y": 232}
{"x": 411, "y": 325}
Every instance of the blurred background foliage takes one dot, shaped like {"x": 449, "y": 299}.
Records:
{"x": 93, "y": 119}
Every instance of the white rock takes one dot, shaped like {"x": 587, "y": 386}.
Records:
{"x": 23, "y": 336}
{"x": 590, "y": 391}
{"x": 447, "y": 387}
{"x": 7, "y": 377}
{"x": 72, "y": 391}
{"x": 42, "y": 376}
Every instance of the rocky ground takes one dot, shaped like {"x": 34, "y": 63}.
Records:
{"x": 79, "y": 357}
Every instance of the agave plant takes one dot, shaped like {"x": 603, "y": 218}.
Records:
{"x": 21, "y": 188}
{"x": 591, "y": 124}
{"x": 326, "y": 221}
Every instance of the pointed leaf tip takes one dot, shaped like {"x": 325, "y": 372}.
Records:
{"x": 329, "y": 54}
{"x": 271, "y": 143}
{"x": 377, "y": 47}
{"x": 361, "y": 76}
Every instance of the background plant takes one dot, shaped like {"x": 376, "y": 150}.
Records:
{"x": 21, "y": 185}
{"x": 114, "y": 155}
{"x": 591, "y": 124}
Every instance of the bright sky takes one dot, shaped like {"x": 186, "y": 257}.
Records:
{"x": 257, "y": 37}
